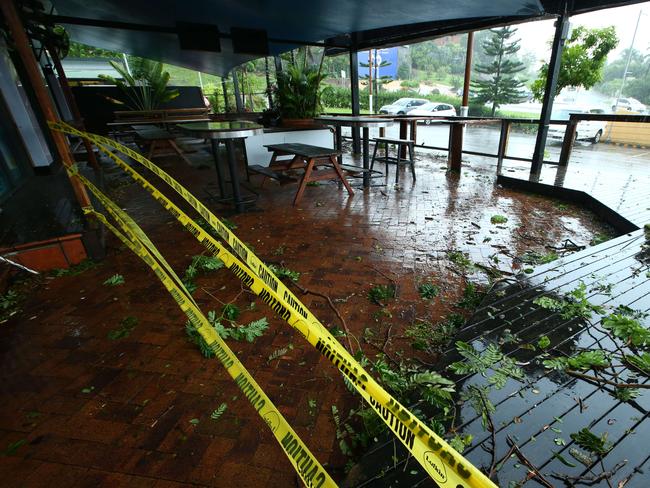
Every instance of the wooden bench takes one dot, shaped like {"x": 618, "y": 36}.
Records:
{"x": 158, "y": 139}
{"x": 311, "y": 159}
{"x": 269, "y": 173}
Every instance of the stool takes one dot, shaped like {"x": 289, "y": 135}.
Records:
{"x": 399, "y": 143}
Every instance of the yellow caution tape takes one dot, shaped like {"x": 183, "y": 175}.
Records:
{"x": 303, "y": 461}
{"x": 446, "y": 466}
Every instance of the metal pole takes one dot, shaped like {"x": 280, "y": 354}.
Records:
{"x": 235, "y": 83}
{"x": 627, "y": 63}
{"x": 561, "y": 31}
{"x": 23, "y": 48}
{"x": 354, "y": 90}
{"x": 464, "y": 109}
{"x": 370, "y": 105}
{"x": 224, "y": 88}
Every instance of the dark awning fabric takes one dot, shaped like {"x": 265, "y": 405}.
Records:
{"x": 147, "y": 28}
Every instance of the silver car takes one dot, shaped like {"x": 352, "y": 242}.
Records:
{"x": 402, "y": 106}
{"x": 590, "y": 130}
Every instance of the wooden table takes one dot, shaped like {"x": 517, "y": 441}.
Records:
{"x": 226, "y": 132}
{"x": 354, "y": 121}
{"x": 158, "y": 139}
{"x": 308, "y": 158}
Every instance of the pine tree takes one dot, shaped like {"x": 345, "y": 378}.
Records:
{"x": 498, "y": 84}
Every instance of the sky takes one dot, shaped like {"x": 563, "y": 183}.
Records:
{"x": 623, "y": 18}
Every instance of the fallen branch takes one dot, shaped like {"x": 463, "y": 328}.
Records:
{"x": 524, "y": 460}
{"x": 605, "y": 381}
{"x": 348, "y": 334}
{"x": 590, "y": 480}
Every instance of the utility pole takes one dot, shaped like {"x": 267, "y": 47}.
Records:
{"x": 464, "y": 109}
{"x": 370, "y": 105}
{"x": 627, "y": 63}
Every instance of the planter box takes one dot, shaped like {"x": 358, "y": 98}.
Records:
{"x": 60, "y": 252}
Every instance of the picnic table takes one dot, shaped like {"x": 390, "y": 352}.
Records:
{"x": 309, "y": 158}
{"x": 158, "y": 140}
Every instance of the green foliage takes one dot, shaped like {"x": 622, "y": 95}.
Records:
{"x": 299, "y": 91}
{"x": 627, "y": 329}
{"x": 497, "y": 82}
{"x": 237, "y": 332}
{"x": 379, "y": 294}
{"x": 582, "y": 361}
{"x": 249, "y": 332}
{"x": 116, "y": 279}
{"x": 477, "y": 396}
{"x": 278, "y": 353}
{"x": 281, "y": 272}
{"x": 626, "y": 394}
{"x": 14, "y": 446}
{"x": 428, "y": 290}
{"x": 230, "y": 311}
{"x": 9, "y": 305}
{"x": 124, "y": 330}
{"x": 543, "y": 342}
{"x": 199, "y": 264}
{"x": 460, "y": 258}
{"x": 430, "y": 337}
{"x": 75, "y": 269}
{"x": 583, "y": 58}
{"x": 460, "y": 442}
{"x": 216, "y": 414}
{"x": 641, "y": 362}
{"x": 498, "y": 219}
{"x": 473, "y": 295}
{"x": 591, "y": 442}
{"x": 573, "y": 306}
{"x": 534, "y": 257}
{"x": 479, "y": 362}
{"x": 228, "y": 223}
{"x": 145, "y": 87}
{"x": 600, "y": 238}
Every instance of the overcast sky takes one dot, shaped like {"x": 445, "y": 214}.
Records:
{"x": 623, "y": 18}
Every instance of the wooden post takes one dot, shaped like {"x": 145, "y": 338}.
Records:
{"x": 354, "y": 92}
{"x": 567, "y": 143}
{"x": 33, "y": 71}
{"x": 455, "y": 146}
{"x": 72, "y": 103}
{"x": 503, "y": 143}
{"x": 464, "y": 109}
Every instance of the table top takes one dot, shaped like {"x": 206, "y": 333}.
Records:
{"x": 354, "y": 121}
{"x": 235, "y": 129}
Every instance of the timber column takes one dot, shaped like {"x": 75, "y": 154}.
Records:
{"x": 22, "y": 45}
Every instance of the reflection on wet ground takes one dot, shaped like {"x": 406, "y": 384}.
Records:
{"x": 82, "y": 408}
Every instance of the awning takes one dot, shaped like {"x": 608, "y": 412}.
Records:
{"x": 149, "y": 29}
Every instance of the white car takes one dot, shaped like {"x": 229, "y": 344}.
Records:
{"x": 591, "y": 130}
{"x": 434, "y": 109}
{"x": 631, "y": 104}
{"x": 401, "y": 106}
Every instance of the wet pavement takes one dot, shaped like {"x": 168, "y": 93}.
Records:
{"x": 90, "y": 399}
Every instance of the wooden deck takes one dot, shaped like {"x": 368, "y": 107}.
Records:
{"x": 539, "y": 412}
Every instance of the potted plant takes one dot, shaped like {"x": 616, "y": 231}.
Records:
{"x": 299, "y": 92}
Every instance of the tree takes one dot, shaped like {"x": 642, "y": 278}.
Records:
{"x": 498, "y": 83}
{"x": 583, "y": 59}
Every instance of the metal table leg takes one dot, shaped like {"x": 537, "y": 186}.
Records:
{"x": 217, "y": 166}
{"x": 366, "y": 150}
{"x": 234, "y": 176}
{"x": 339, "y": 143}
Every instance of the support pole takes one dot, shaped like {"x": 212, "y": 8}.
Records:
{"x": 464, "y": 109}
{"x": 72, "y": 103}
{"x": 224, "y": 88}
{"x": 370, "y": 104}
{"x": 354, "y": 90}
{"x": 561, "y": 31}
{"x": 238, "y": 101}
{"x": 22, "y": 45}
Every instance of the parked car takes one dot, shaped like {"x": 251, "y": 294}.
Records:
{"x": 591, "y": 130}
{"x": 434, "y": 108}
{"x": 402, "y": 106}
{"x": 631, "y": 104}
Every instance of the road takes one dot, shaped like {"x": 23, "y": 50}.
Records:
{"x": 486, "y": 139}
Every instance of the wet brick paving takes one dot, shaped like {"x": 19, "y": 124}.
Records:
{"x": 81, "y": 409}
